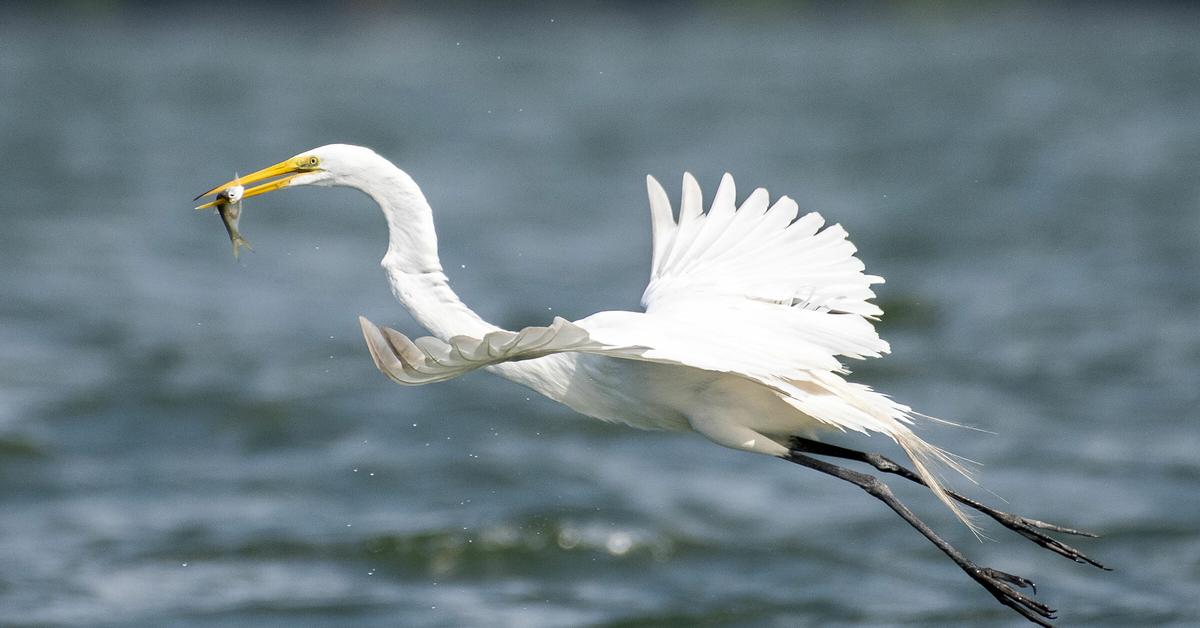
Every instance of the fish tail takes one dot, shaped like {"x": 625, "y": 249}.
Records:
{"x": 238, "y": 241}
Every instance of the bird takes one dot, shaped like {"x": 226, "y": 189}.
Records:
{"x": 750, "y": 312}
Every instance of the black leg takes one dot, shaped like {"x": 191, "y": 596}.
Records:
{"x": 1028, "y": 528}
{"x": 996, "y": 582}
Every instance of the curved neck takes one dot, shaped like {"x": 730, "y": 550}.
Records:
{"x": 433, "y": 303}
{"x": 411, "y": 262}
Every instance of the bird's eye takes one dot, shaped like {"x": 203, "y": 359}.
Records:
{"x": 308, "y": 163}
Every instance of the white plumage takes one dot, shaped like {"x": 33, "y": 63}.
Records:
{"x": 747, "y": 313}
{"x": 748, "y": 316}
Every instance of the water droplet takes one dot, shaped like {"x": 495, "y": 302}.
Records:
{"x": 618, "y": 543}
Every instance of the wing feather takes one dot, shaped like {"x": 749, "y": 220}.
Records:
{"x": 709, "y": 264}
{"x": 428, "y": 359}
{"x": 710, "y": 229}
{"x": 691, "y": 202}
{"x": 662, "y": 222}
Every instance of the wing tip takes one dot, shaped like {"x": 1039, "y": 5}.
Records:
{"x": 375, "y": 339}
{"x": 726, "y": 195}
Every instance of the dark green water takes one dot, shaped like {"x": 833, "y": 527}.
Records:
{"x": 188, "y": 440}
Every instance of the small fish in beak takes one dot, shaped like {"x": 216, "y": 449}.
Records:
{"x": 229, "y": 205}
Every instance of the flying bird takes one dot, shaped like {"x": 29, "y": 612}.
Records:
{"x": 750, "y": 311}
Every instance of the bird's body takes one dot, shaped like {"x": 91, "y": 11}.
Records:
{"x": 748, "y": 316}
{"x": 659, "y": 396}
{"x": 747, "y": 312}
{"x": 642, "y": 394}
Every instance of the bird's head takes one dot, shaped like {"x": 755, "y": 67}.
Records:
{"x": 332, "y": 164}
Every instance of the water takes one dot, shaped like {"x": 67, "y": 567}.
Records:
{"x": 188, "y": 440}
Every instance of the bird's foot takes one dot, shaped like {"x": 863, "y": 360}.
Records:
{"x": 998, "y": 584}
{"x": 1032, "y": 530}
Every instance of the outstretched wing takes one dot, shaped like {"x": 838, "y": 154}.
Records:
{"x": 789, "y": 280}
{"x": 428, "y": 359}
{"x": 789, "y": 295}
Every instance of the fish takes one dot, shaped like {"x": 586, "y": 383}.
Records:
{"x": 229, "y": 206}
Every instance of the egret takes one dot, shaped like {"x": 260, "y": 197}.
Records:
{"x": 748, "y": 314}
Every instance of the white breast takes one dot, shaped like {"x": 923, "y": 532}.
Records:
{"x": 645, "y": 395}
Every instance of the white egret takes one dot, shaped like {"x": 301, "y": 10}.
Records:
{"x": 748, "y": 313}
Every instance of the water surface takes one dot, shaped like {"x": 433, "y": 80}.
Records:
{"x": 189, "y": 440}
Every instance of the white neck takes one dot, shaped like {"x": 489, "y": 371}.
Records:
{"x": 433, "y": 303}
{"x": 411, "y": 261}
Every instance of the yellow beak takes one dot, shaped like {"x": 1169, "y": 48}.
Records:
{"x": 286, "y": 170}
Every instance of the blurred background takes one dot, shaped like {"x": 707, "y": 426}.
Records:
{"x": 190, "y": 440}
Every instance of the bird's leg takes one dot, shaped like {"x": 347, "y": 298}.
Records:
{"x": 996, "y": 582}
{"x": 1028, "y": 528}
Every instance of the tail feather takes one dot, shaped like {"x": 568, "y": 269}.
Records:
{"x": 925, "y": 458}
{"x": 829, "y": 398}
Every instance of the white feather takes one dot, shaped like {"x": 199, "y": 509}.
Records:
{"x": 748, "y": 312}
{"x": 428, "y": 359}
{"x": 723, "y": 259}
